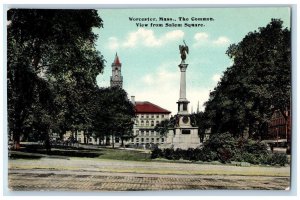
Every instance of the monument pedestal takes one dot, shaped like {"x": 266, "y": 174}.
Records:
{"x": 184, "y": 135}
{"x": 185, "y": 138}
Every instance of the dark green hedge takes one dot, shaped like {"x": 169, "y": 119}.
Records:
{"x": 224, "y": 148}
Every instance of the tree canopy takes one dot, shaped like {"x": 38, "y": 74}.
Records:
{"x": 258, "y": 82}
{"x": 52, "y": 68}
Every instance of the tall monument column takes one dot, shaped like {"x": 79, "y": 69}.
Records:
{"x": 182, "y": 102}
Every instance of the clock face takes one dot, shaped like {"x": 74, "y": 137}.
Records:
{"x": 185, "y": 119}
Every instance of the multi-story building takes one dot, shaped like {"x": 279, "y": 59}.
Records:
{"x": 148, "y": 115}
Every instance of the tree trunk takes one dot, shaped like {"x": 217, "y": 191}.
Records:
{"x": 122, "y": 142}
{"x": 47, "y": 142}
{"x": 16, "y": 140}
{"x": 113, "y": 140}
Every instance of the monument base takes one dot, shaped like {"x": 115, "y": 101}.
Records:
{"x": 184, "y": 138}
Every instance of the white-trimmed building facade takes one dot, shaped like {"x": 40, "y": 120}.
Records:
{"x": 148, "y": 115}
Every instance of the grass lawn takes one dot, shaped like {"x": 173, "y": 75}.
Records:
{"x": 123, "y": 154}
{"x": 37, "y": 152}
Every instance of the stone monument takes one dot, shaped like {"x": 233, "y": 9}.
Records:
{"x": 183, "y": 135}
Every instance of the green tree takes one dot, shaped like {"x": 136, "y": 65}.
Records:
{"x": 112, "y": 114}
{"x": 165, "y": 125}
{"x": 50, "y": 50}
{"x": 258, "y": 83}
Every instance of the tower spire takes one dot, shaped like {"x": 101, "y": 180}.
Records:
{"x": 116, "y": 79}
{"x": 117, "y": 60}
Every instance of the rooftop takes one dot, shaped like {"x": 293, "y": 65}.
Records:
{"x": 117, "y": 60}
{"x": 147, "y": 107}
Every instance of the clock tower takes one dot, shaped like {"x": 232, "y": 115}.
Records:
{"x": 116, "y": 80}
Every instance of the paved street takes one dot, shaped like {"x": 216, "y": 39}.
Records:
{"x": 49, "y": 174}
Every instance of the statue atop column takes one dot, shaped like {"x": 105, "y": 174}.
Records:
{"x": 183, "y": 49}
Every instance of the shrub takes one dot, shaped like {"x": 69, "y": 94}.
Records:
{"x": 156, "y": 153}
{"x": 250, "y": 158}
{"x": 168, "y": 154}
{"x": 208, "y": 154}
{"x": 198, "y": 154}
{"x": 225, "y": 148}
{"x": 178, "y": 153}
{"x": 188, "y": 154}
{"x": 277, "y": 159}
{"x": 224, "y": 154}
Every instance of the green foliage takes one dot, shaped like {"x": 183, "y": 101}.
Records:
{"x": 275, "y": 159}
{"x": 111, "y": 113}
{"x": 225, "y": 148}
{"x": 169, "y": 154}
{"x": 163, "y": 127}
{"x": 52, "y": 64}
{"x": 156, "y": 153}
{"x": 258, "y": 82}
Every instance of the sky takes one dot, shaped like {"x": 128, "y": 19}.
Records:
{"x": 150, "y": 54}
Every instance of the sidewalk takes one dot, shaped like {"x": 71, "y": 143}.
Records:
{"x": 77, "y": 174}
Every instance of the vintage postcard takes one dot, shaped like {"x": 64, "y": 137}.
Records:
{"x": 149, "y": 99}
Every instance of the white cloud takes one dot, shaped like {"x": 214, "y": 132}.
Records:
{"x": 173, "y": 35}
{"x": 221, "y": 41}
{"x": 202, "y": 38}
{"x": 113, "y": 43}
{"x": 216, "y": 78}
{"x": 141, "y": 36}
{"x": 148, "y": 79}
{"x": 146, "y": 38}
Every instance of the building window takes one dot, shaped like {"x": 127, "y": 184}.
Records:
{"x": 117, "y": 140}
{"x": 157, "y": 122}
{"x": 137, "y": 139}
{"x": 152, "y": 133}
{"x": 147, "y": 133}
{"x": 152, "y": 116}
{"x": 142, "y": 133}
{"x": 147, "y": 123}
{"x": 152, "y": 140}
{"x": 152, "y": 123}
{"x": 147, "y": 116}
{"x": 136, "y": 122}
{"x": 157, "y": 116}
{"x": 162, "y": 116}
{"x": 131, "y": 139}
{"x": 162, "y": 139}
{"x": 142, "y": 116}
{"x": 157, "y": 140}
{"x": 147, "y": 139}
{"x": 142, "y": 123}
{"x": 137, "y": 132}
{"x": 142, "y": 139}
